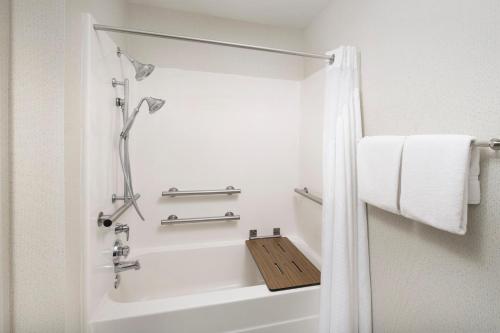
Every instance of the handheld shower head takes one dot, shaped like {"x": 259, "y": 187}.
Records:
{"x": 142, "y": 71}
{"x": 154, "y": 104}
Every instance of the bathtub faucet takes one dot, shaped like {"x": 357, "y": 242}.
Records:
{"x": 127, "y": 265}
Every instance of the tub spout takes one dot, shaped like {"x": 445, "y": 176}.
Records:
{"x": 127, "y": 265}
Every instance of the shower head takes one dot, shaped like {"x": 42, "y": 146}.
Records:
{"x": 154, "y": 104}
{"x": 142, "y": 71}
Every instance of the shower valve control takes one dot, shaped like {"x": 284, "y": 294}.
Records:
{"x": 122, "y": 228}
{"x": 120, "y": 250}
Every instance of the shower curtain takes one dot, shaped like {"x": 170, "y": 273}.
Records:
{"x": 345, "y": 278}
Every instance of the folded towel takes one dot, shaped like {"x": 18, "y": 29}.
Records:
{"x": 474, "y": 185}
{"x": 435, "y": 180}
{"x": 379, "y": 165}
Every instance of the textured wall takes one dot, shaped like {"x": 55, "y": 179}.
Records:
{"x": 428, "y": 67}
{"x": 46, "y": 149}
{"x": 38, "y": 165}
{"x": 4, "y": 165}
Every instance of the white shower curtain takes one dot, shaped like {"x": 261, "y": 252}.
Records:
{"x": 345, "y": 278}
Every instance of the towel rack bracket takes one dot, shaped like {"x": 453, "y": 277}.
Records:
{"x": 495, "y": 144}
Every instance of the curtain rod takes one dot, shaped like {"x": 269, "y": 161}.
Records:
{"x": 213, "y": 42}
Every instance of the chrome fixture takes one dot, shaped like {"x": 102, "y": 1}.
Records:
{"x": 154, "y": 104}
{"x": 252, "y": 234}
{"x": 120, "y": 250}
{"x": 122, "y": 228}
{"x": 175, "y": 192}
{"x": 493, "y": 144}
{"x": 115, "y": 197}
{"x": 115, "y": 82}
{"x": 126, "y": 266}
{"x": 173, "y": 219}
{"x": 128, "y": 191}
{"x": 97, "y": 27}
{"x": 305, "y": 193}
{"x": 142, "y": 71}
{"x": 119, "y": 101}
{"x": 123, "y": 148}
{"x": 108, "y": 220}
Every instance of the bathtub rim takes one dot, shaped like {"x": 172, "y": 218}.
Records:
{"x": 108, "y": 309}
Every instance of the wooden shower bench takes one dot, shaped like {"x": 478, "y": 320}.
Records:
{"x": 281, "y": 264}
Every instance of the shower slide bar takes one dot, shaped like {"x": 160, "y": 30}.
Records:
{"x": 305, "y": 193}
{"x": 330, "y": 58}
{"x": 175, "y": 192}
{"x": 108, "y": 220}
{"x": 173, "y": 219}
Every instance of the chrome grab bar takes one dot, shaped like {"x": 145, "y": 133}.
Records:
{"x": 173, "y": 219}
{"x": 108, "y": 220}
{"x": 175, "y": 192}
{"x": 305, "y": 193}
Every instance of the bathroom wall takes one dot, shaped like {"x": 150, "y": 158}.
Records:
{"x": 211, "y": 58}
{"x": 44, "y": 159}
{"x": 4, "y": 166}
{"x": 428, "y": 67}
{"x": 216, "y": 59}
{"x": 308, "y": 213}
{"x": 215, "y": 130}
{"x": 37, "y": 135}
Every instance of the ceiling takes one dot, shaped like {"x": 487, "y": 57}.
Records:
{"x": 286, "y": 13}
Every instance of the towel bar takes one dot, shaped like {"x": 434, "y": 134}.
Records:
{"x": 493, "y": 144}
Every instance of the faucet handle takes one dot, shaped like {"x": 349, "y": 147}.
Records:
{"x": 127, "y": 265}
{"x": 120, "y": 250}
{"x": 122, "y": 228}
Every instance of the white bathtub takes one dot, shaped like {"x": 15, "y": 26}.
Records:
{"x": 203, "y": 289}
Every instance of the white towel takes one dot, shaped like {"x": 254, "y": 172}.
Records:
{"x": 435, "y": 180}
{"x": 379, "y": 165}
{"x": 474, "y": 185}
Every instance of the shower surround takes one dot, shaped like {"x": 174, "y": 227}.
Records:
{"x": 214, "y": 130}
